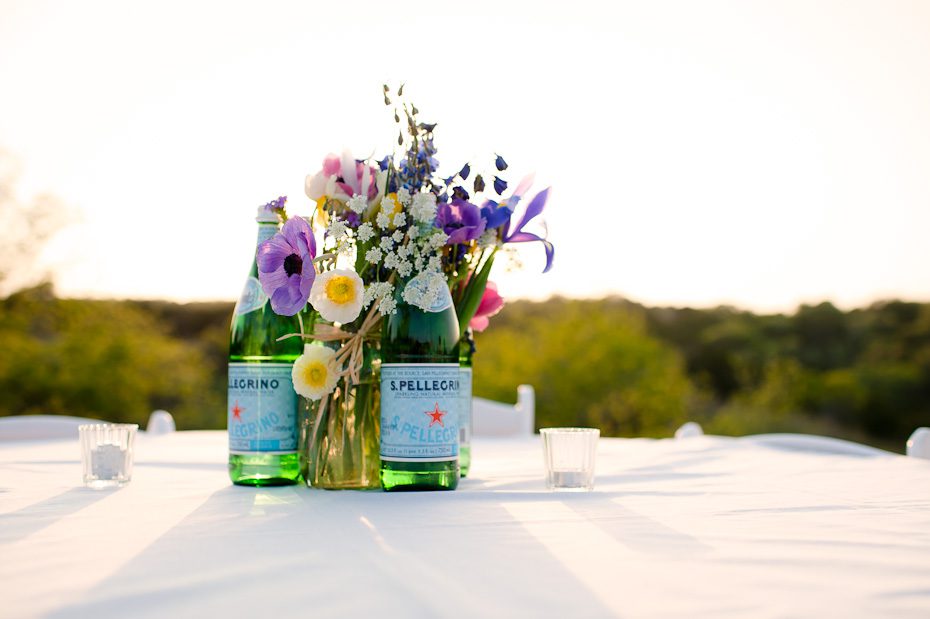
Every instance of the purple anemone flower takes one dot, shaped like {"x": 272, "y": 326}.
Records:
{"x": 285, "y": 266}
{"x": 461, "y": 220}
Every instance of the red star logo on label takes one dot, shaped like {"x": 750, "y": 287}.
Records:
{"x": 436, "y": 416}
{"x": 237, "y": 411}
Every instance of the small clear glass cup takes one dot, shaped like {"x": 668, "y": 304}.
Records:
{"x": 569, "y": 455}
{"x": 107, "y": 453}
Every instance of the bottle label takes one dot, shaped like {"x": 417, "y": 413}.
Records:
{"x": 262, "y": 408}
{"x": 465, "y": 406}
{"x": 429, "y": 292}
{"x": 419, "y": 412}
{"x": 252, "y": 298}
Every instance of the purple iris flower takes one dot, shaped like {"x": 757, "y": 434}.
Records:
{"x": 461, "y": 220}
{"x": 492, "y": 213}
{"x": 535, "y": 207}
{"x": 285, "y": 266}
{"x": 495, "y": 215}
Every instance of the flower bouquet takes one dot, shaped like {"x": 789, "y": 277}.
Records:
{"x": 383, "y": 222}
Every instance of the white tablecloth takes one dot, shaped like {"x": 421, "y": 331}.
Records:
{"x": 699, "y": 527}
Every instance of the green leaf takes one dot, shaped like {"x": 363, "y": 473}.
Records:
{"x": 471, "y": 298}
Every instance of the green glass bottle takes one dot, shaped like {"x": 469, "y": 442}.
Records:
{"x": 262, "y": 403}
{"x": 419, "y": 393}
{"x": 466, "y": 350}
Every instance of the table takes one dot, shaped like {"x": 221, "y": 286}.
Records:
{"x": 699, "y": 527}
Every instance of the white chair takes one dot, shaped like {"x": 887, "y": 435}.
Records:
{"x": 160, "y": 422}
{"x": 490, "y": 418}
{"x": 918, "y": 446}
{"x": 49, "y": 427}
{"x": 689, "y": 429}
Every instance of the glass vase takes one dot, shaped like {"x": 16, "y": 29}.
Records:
{"x": 339, "y": 435}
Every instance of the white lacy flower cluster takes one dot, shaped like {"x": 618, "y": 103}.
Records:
{"x": 426, "y": 290}
{"x": 383, "y": 293}
{"x": 399, "y": 237}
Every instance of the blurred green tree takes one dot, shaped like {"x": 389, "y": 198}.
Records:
{"x": 591, "y": 363}
{"x": 100, "y": 359}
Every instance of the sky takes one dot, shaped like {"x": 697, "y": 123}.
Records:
{"x": 756, "y": 154}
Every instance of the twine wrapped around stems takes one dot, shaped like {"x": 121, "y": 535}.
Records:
{"x": 351, "y": 354}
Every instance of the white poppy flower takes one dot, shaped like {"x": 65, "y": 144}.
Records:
{"x": 314, "y": 375}
{"x": 338, "y": 295}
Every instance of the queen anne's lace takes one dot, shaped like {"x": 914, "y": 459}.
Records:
{"x": 336, "y": 229}
{"x": 423, "y": 208}
{"x": 373, "y": 255}
{"x": 387, "y": 306}
{"x": 358, "y": 204}
{"x": 365, "y": 232}
{"x": 488, "y": 239}
{"x": 437, "y": 239}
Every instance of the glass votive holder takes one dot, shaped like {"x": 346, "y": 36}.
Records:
{"x": 106, "y": 453}
{"x": 569, "y": 455}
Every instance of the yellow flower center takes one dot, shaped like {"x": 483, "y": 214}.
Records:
{"x": 315, "y": 374}
{"x": 340, "y": 290}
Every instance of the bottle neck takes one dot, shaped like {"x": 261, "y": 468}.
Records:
{"x": 467, "y": 347}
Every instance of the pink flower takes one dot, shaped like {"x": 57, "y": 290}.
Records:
{"x": 491, "y": 303}
{"x": 342, "y": 178}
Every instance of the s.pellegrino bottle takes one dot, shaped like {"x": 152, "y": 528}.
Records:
{"x": 466, "y": 350}
{"x": 420, "y": 391}
{"x": 262, "y": 403}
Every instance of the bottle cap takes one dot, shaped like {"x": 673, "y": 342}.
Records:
{"x": 268, "y": 213}
{"x": 265, "y": 215}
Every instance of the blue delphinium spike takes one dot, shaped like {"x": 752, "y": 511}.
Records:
{"x": 500, "y": 185}
{"x": 500, "y": 163}
{"x": 466, "y": 170}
